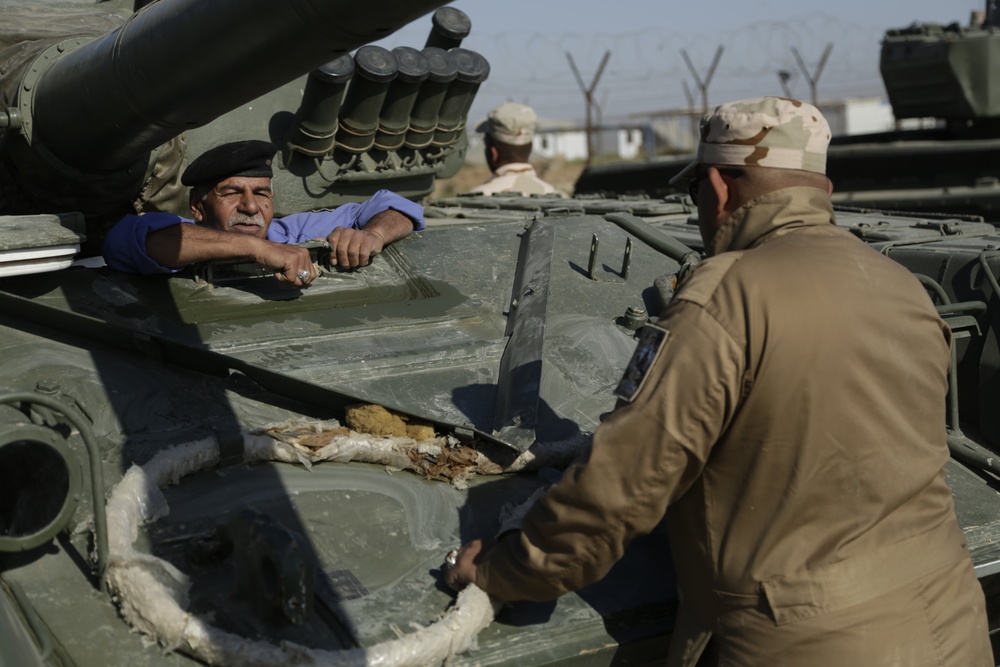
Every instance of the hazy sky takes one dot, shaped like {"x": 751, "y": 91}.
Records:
{"x": 527, "y": 41}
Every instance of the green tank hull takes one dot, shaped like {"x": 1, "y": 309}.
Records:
{"x": 184, "y": 475}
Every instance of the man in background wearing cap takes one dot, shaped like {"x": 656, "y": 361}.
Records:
{"x": 507, "y": 134}
{"x": 232, "y": 206}
{"x": 787, "y": 416}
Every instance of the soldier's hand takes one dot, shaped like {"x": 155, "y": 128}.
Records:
{"x": 463, "y": 572}
{"x": 291, "y": 264}
{"x": 351, "y": 248}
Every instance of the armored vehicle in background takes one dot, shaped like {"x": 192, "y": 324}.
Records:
{"x": 214, "y": 468}
{"x": 945, "y": 76}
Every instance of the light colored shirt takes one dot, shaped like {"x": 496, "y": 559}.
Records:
{"x": 516, "y": 177}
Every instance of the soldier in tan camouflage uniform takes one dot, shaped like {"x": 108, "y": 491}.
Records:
{"x": 787, "y": 414}
{"x": 508, "y": 132}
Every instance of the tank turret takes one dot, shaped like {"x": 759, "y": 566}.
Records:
{"x": 104, "y": 124}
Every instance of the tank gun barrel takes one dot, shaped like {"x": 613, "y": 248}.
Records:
{"x": 179, "y": 64}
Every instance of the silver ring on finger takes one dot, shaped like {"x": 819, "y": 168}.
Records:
{"x": 303, "y": 275}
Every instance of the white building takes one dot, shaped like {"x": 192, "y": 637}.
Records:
{"x": 568, "y": 140}
{"x": 675, "y": 131}
{"x": 858, "y": 115}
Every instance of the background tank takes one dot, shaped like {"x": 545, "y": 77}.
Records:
{"x": 287, "y": 524}
{"x": 945, "y": 75}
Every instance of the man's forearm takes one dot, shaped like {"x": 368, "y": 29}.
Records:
{"x": 183, "y": 244}
{"x": 390, "y": 225}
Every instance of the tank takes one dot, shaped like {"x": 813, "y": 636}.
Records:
{"x": 942, "y": 158}
{"x": 212, "y": 468}
{"x": 139, "y": 117}
{"x": 941, "y": 78}
{"x": 394, "y": 404}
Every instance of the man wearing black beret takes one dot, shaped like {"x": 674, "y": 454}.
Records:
{"x": 232, "y": 206}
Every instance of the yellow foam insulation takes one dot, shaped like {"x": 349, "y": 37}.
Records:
{"x": 377, "y": 420}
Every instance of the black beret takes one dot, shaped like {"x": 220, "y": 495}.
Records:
{"x": 239, "y": 158}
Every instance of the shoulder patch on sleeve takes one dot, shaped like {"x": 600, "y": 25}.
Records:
{"x": 651, "y": 339}
{"x": 700, "y": 285}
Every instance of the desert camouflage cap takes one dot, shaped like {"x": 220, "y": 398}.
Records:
{"x": 764, "y": 132}
{"x": 511, "y": 123}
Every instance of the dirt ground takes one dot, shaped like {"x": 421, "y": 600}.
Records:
{"x": 557, "y": 171}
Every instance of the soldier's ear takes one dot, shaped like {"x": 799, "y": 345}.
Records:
{"x": 723, "y": 195}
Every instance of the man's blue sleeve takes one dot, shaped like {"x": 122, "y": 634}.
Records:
{"x": 125, "y": 245}
{"x": 300, "y": 227}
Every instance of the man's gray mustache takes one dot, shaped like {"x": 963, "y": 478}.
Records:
{"x": 240, "y": 219}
